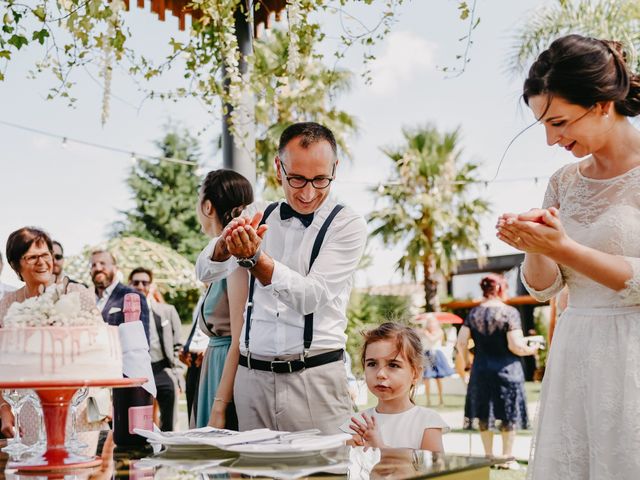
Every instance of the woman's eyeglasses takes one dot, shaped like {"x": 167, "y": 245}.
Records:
{"x": 33, "y": 259}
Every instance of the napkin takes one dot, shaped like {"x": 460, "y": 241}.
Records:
{"x": 136, "y": 362}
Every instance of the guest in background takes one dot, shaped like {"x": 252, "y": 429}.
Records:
{"x": 4, "y": 288}
{"x": 436, "y": 365}
{"x": 495, "y": 394}
{"x": 58, "y": 264}
{"x": 223, "y": 196}
{"x": 191, "y": 355}
{"x": 164, "y": 348}
{"x": 110, "y": 292}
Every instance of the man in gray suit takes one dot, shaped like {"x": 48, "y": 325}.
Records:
{"x": 164, "y": 347}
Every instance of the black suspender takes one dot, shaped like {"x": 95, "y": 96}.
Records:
{"x": 308, "y": 319}
{"x": 252, "y": 281}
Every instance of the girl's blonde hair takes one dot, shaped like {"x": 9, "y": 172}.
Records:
{"x": 407, "y": 343}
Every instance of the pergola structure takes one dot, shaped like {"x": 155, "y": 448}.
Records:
{"x": 263, "y": 11}
{"x": 180, "y": 8}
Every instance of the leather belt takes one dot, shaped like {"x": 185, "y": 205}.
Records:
{"x": 290, "y": 366}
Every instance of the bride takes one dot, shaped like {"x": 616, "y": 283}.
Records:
{"x": 587, "y": 236}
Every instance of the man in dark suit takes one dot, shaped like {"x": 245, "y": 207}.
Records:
{"x": 164, "y": 348}
{"x": 110, "y": 292}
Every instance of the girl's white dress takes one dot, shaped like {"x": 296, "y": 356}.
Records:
{"x": 403, "y": 430}
{"x": 588, "y": 424}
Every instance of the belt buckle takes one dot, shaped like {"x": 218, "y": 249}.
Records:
{"x": 281, "y": 362}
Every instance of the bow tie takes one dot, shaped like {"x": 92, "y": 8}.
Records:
{"x": 287, "y": 212}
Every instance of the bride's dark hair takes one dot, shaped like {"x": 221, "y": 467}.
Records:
{"x": 229, "y": 193}
{"x": 584, "y": 71}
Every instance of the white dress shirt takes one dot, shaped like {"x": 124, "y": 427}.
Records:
{"x": 102, "y": 300}
{"x": 277, "y": 319}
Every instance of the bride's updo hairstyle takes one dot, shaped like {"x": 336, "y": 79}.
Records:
{"x": 229, "y": 193}
{"x": 585, "y": 71}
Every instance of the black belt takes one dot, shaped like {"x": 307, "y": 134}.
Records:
{"x": 290, "y": 366}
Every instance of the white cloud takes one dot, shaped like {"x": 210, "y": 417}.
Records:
{"x": 406, "y": 56}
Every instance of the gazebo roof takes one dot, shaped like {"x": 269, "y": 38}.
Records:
{"x": 179, "y": 8}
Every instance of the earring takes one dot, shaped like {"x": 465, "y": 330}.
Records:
{"x": 605, "y": 115}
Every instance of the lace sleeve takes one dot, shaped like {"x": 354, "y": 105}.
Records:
{"x": 547, "y": 293}
{"x": 632, "y": 286}
{"x": 551, "y": 197}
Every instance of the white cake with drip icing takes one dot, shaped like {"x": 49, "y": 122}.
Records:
{"x": 60, "y": 353}
{"x": 51, "y": 337}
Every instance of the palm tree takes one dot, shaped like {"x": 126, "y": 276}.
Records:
{"x": 610, "y": 19}
{"x": 427, "y": 207}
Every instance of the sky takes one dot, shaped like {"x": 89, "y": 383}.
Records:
{"x": 76, "y": 192}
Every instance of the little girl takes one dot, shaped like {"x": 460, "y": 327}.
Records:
{"x": 392, "y": 361}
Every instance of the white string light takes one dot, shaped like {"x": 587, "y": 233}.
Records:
{"x": 66, "y": 140}
{"x": 202, "y": 169}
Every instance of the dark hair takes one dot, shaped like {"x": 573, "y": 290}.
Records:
{"x": 492, "y": 284}
{"x": 584, "y": 71}
{"x": 99, "y": 251}
{"x": 228, "y": 191}
{"x": 55, "y": 242}
{"x": 141, "y": 270}
{"x": 310, "y": 133}
{"x": 20, "y": 241}
{"x": 407, "y": 342}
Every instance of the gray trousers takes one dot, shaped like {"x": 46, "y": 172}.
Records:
{"x": 317, "y": 397}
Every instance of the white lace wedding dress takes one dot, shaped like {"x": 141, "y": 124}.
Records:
{"x": 588, "y": 423}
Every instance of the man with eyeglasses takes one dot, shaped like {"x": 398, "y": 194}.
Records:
{"x": 300, "y": 256}
{"x": 164, "y": 348}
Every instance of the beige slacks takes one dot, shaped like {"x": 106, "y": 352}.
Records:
{"x": 317, "y": 397}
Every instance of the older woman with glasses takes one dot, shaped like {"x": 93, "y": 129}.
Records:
{"x": 29, "y": 252}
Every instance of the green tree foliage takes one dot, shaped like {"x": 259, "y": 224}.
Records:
{"x": 607, "y": 19}
{"x": 366, "y": 311}
{"x": 165, "y": 195}
{"x": 282, "y": 100}
{"x": 427, "y": 207}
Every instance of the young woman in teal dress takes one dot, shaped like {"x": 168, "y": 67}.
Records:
{"x": 223, "y": 195}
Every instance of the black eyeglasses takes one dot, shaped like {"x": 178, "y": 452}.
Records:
{"x": 33, "y": 259}
{"x": 58, "y": 256}
{"x": 298, "y": 181}
{"x": 144, "y": 283}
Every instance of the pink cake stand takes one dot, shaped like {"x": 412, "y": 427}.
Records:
{"x": 55, "y": 396}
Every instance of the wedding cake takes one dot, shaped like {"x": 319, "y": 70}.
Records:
{"x": 51, "y": 337}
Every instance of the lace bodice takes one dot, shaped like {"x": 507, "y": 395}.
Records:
{"x": 604, "y": 215}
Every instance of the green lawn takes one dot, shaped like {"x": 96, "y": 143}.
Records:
{"x": 456, "y": 402}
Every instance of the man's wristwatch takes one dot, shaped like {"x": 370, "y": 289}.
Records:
{"x": 251, "y": 261}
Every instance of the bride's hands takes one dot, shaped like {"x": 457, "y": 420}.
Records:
{"x": 536, "y": 231}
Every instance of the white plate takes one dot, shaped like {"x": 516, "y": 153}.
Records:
{"x": 284, "y": 450}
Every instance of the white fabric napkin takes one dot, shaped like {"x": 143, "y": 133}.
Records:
{"x": 136, "y": 362}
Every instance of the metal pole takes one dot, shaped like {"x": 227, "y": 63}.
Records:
{"x": 235, "y": 157}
